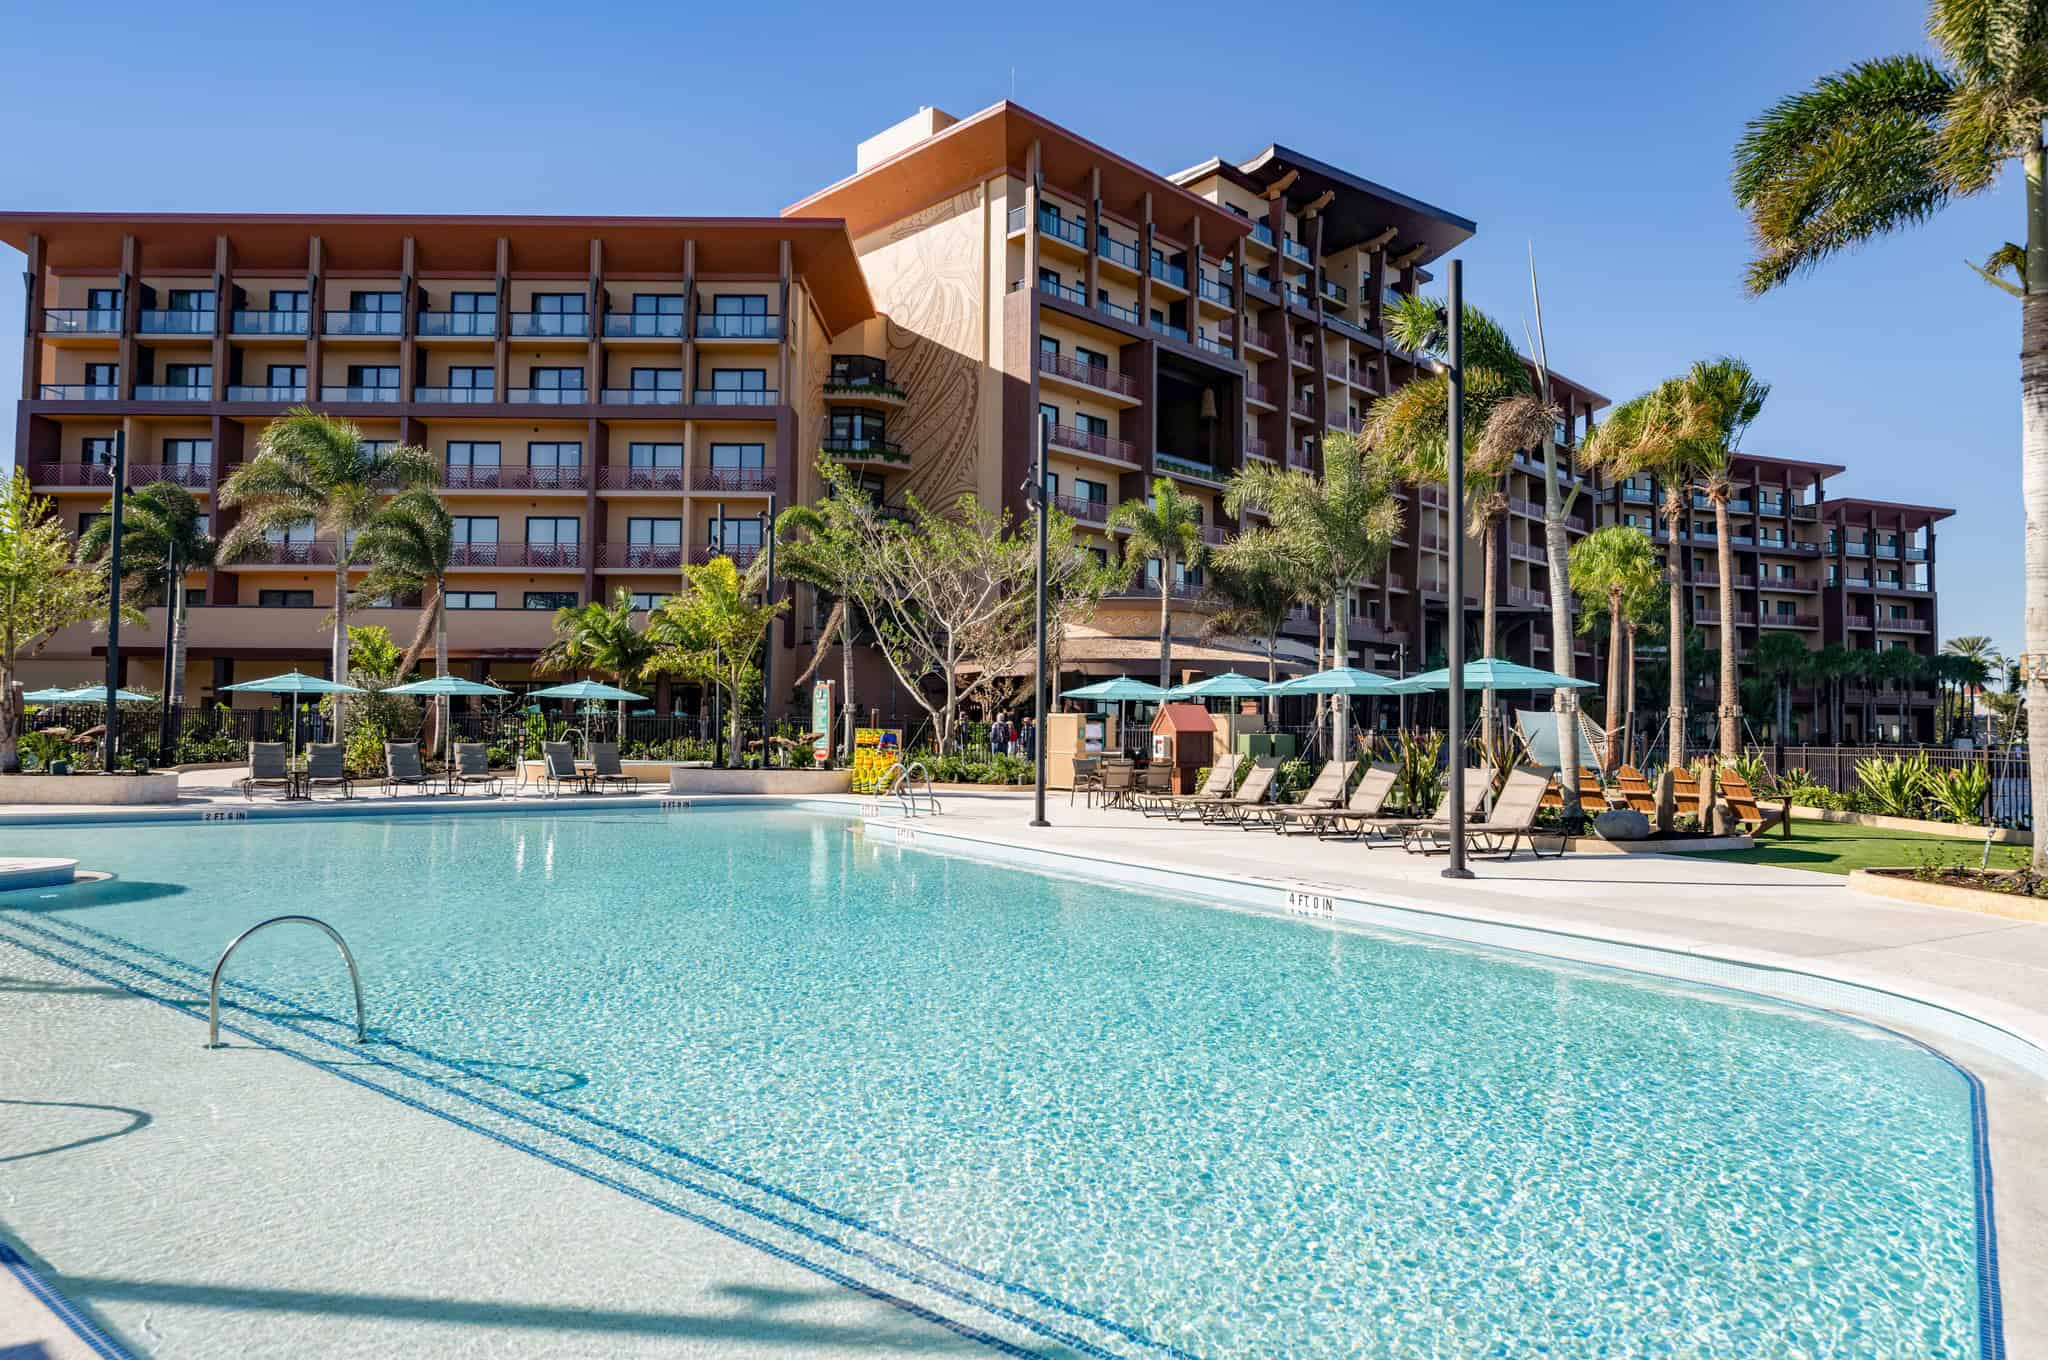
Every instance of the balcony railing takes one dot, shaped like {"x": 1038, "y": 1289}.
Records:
{"x": 1184, "y": 467}
{"x": 742, "y": 554}
{"x": 1301, "y": 406}
{"x": 362, "y": 323}
{"x": 453, "y": 396}
{"x": 644, "y": 325}
{"x": 1095, "y": 375}
{"x": 1100, "y": 445}
{"x": 247, "y": 321}
{"x": 78, "y": 392}
{"x": 1116, "y": 311}
{"x": 154, "y": 321}
{"x": 289, "y": 553}
{"x": 1207, "y": 345}
{"x": 736, "y": 396}
{"x": 1857, "y": 620}
{"x": 547, "y": 396}
{"x": 651, "y": 556}
{"x": 1170, "y": 331}
{"x": 643, "y": 396}
{"x": 516, "y": 555}
{"x": 1336, "y": 292}
{"x": 279, "y": 393}
{"x": 1303, "y": 355}
{"x": 666, "y": 478}
{"x": 172, "y": 392}
{"x": 863, "y": 449}
{"x": 478, "y": 324}
{"x": 1215, "y": 535}
{"x": 1301, "y": 458}
{"x": 1065, "y": 293}
{"x": 1295, "y": 250}
{"x": 1063, "y": 228}
{"x": 193, "y": 475}
{"x": 1262, "y": 233}
{"x": 733, "y": 479}
{"x": 1174, "y": 274}
{"x": 1109, "y": 248}
{"x": 1085, "y": 509}
{"x": 1258, "y": 392}
{"x": 1299, "y": 296}
{"x": 1255, "y": 447}
{"x": 1215, "y": 290}
{"x": 551, "y": 325}
{"x": 513, "y": 477}
{"x": 735, "y": 326}
{"x": 1885, "y": 625}
{"x": 81, "y": 321}
{"x": 358, "y": 394}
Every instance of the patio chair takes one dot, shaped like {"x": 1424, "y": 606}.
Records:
{"x": 1217, "y": 787}
{"x": 325, "y": 768}
{"x": 1477, "y": 782}
{"x": 268, "y": 769}
{"x": 1325, "y": 791}
{"x": 1366, "y": 801}
{"x": 558, "y": 768}
{"x": 1685, "y": 793}
{"x": 1511, "y": 824}
{"x": 1119, "y": 782}
{"x": 1087, "y": 779}
{"x": 402, "y": 767}
{"x": 606, "y": 772}
{"x": 1249, "y": 798}
{"x": 1741, "y": 797}
{"x": 473, "y": 768}
{"x": 1635, "y": 791}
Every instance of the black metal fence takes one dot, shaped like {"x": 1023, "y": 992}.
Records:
{"x": 2012, "y": 800}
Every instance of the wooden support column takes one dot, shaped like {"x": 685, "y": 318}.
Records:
{"x": 408, "y": 319}
{"x": 1145, "y": 268}
{"x": 131, "y": 314}
{"x": 593, "y": 525}
{"x": 1276, "y": 222}
{"x": 316, "y": 318}
{"x": 31, "y": 327}
{"x": 689, "y": 323}
{"x": 593, "y": 351}
{"x": 501, "y": 344}
{"x": 783, "y": 325}
{"x": 223, "y": 310}
{"x": 1321, "y": 334}
{"x": 1237, "y": 322}
{"x": 1092, "y": 272}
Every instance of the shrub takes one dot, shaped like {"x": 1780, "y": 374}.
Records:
{"x": 1755, "y": 771}
{"x": 364, "y": 757}
{"x": 1960, "y": 794}
{"x": 1292, "y": 779}
{"x": 1892, "y": 786}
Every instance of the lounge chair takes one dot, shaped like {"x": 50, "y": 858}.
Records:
{"x": 325, "y": 767}
{"x": 473, "y": 767}
{"x": 1511, "y": 824}
{"x": 1636, "y": 792}
{"x": 1249, "y": 798}
{"x": 558, "y": 769}
{"x": 1685, "y": 793}
{"x": 268, "y": 769}
{"x": 1366, "y": 801}
{"x": 1477, "y": 782}
{"x": 1741, "y": 799}
{"x": 402, "y": 767}
{"x": 606, "y": 772}
{"x": 1215, "y": 789}
{"x": 1325, "y": 791}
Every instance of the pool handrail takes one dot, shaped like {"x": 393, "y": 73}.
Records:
{"x": 906, "y": 792}
{"x": 213, "y": 987}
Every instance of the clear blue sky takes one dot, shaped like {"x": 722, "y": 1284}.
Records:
{"x": 1599, "y": 131}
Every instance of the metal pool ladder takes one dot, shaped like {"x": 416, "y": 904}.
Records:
{"x": 213, "y": 988}
{"x": 906, "y": 791}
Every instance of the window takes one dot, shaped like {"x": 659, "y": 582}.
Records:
{"x": 472, "y": 599}
{"x": 1048, "y": 345}
{"x": 191, "y": 300}
{"x": 285, "y": 375}
{"x": 550, "y": 599}
{"x": 373, "y": 448}
{"x": 657, "y": 380}
{"x": 739, "y": 379}
{"x": 1786, "y": 609}
{"x": 373, "y": 376}
{"x": 1048, "y": 411}
{"x": 102, "y": 375}
{"x": 188, "y": 375}
{"x": 557, "y": 463}
{"x": 553, "y": 531}
{"x": 473, "y": 304}
{"x": 649, "y": 600}
{"x": 657, "y": 304}
{"x": 555, "y": 379}
{"x": 476, "y": 539}
{"x": 290, "y": 542}
{"x": 857, "y": 428}
{"x": 188, "y": 452}
{"x": 1096, "y": 493}
{"x": 739, "y": 533}
{"x": 1090, "y": 357}
{"x": 654, "y": 542}
{"x": 558, "y": 314}
{"x": 473, "y": 462}
{"x": 284, "y": 599}
{"x": 103, "y": 299}
{"x": 740, "y": 304}
{"x": 96, "y": 450}
{"x": 86, "y": 520}
{"x": 1095, "y": 425}
{"x": 360, "y": 300}
{"x": 1049, "y": 279}
{"x": 195, "y": 599}
{"x": 1052, "y": 484}
{"x": 654, "y": 465}
{"x": 739, "y": 457}
{"x": 470, "y": 376}
{"x": 290, "y": 301}
{"x": 559, "y": 304}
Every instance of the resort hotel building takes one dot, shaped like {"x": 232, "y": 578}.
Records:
{"x": 611, "y": 398}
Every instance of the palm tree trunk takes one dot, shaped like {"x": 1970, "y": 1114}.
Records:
{"x": 1613, "y": 681}
{"x": 1489, "y": 607}
{"x": 174, "y": 683}
{"x": 340, "y": 658}
{"x": 10, "y": 712}
{"x": 1557, "y": 554}
{"x": 441, "y": 659}
{"x": 1628, "y": 714}
{"x": 1731, "y": 703}
{"x": 846, "y": 673}
{"x": 1165, "y": 623}
{"x": 1339, "y": 705}
{"x": 1674, "y": 738}
{"x": 2034, "y": 482}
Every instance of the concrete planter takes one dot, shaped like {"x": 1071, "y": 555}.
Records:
{"x": 791, "y": 783}
{"x": 1685, "y": 845}
{"x": 1999, "y": 835}
{"x": 89, "y": 790}
{"x": 1901, "y": 888}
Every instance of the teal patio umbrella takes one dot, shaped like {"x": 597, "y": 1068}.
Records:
{"x": 87, "y": 694}
{"x": 1229, "y": 685}
{"x": 1120, "y": 691}
{"x": 595, "y": 691}
{"x": 445, "y": 687}
{"x": 47, "y": 696}
{"x": 296, "y": 685}
{"x": 1489, "y": 672}
{"x": 1337, "y": 680}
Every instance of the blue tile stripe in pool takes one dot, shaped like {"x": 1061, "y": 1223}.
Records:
{"x": 82, "y": 957}
{"x": 66, "y": 1312}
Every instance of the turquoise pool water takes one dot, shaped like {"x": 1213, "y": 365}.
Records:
{"x": 1089, "y": 1121}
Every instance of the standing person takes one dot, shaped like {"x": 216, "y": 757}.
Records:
{"x": 1027, "y": 740}
{"x": 998, "y": 734}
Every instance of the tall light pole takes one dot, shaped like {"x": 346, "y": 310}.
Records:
{"x": 1039, "y": 503}
{"x": 1455, "y": 608}
{"x": 113, "y": 734}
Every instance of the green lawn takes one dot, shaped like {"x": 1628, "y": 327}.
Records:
{"x": 1834, "y": 848}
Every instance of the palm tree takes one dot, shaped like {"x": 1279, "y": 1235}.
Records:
{"x": 1781, "y": 660}
{"x": 161, "y": 523}
{"x": 1979, "y": 657}
{"x": 1888, "y": 143}
{"x": 1166, "y": 529}
{"x": 1608, "y": 566}
{"x": 315, "y": 469}
{"x": 1900, "y": 667}
{"x": 1684, "y": 432}
{"x": 1338, "y": 526}
{"x": 1256, "y": 583}
{"x": 1830, "y": 666}
{"x": 599, "y": 638}
{"x": 410, "y": 546}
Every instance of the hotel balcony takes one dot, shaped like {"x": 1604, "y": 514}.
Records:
{"x": 667, "y": 479}
{"x": 1258, "y": 394}
{"x": 1216, "y": 290}
{"x": 641, "y": 556}
{"x": 245, "y": 321}
{"x": 154, "y": 321}
{"x": 1121, "y": 253}
{"x": 1176, "y": 466}
{"x": 643, "y": 396}
{"x": 731, "y": 481}
{"x": 716, "y": 326}
{"x": 733, "y": 396}
{"x": 78, "y": 392}
{"x": 1255, "y": 447}
{"x": 1885, "y": 625}
{"x": 356, "y": 395}
{"x": 1067, "y": 439}
{"x": 1295, "y": 250}
{"x": 545, "y": 396}
{"x": 362, "y": 324}
{"x": 516, "y": 477}
{"x": 543, "y": 556}
{"x": 1263, "y": 234}
{"x": 1097, "y": 377}
{"x": 1118, "y": 312}
{"x": 742, "y": 554}
{"x": 294, "y": 553}
{"x": 471, "y": 325}
{"x": 1215, "y": 535}
{"x": 194, "y": 476}
{"x": 1336, "y": 292}
{"x": 643, "y": 325}
{"x": 81, "y": 321}
{"x": 1216, "y": 347}
{"x": 1170, "y": 331}
{"x": 1083, "y": 509}
{"x": 453, "y": 396}
{"x": 169, "y": 392}
{"x": 875, "y": 392}
{"x": 282, "y": 393}
{"x": 551, "y": 325}
{"x": 865, "y": 451}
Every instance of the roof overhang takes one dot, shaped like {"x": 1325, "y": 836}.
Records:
{"x": 1796, "y": 464}
{"x": 1359, "y": 210}
{"x": 1926, "y": 513}
{"x": 998, "y": 140}
{"x": 821, "y": 250}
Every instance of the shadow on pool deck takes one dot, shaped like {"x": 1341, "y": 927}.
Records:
{"x": 137, "y": 1121}
{"x": 761, "y": 1314}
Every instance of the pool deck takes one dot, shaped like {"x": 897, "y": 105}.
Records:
{"x": 205, "y": 1203}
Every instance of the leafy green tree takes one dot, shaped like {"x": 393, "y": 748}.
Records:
{"x": 1887, "y": 144}
{"x": 44, "y": 589}
{"x": 1609, "y": 568}
{"x": 599, "y": 638}
{"x": 827, "y": 546}
{"x": 158, "y": 521}
{"x": 318, "y": 470}
{"x": 1256, "y": 580}
{"x": 1781, "y": 660}
{"x": 1339, "y": 525}
{"x": 711, "y": 633}
{"x": 410, "y": 545}
{"x": 1166, "y": 529}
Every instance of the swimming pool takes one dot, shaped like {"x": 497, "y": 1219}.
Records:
{"x": 1066, "y": 1117}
